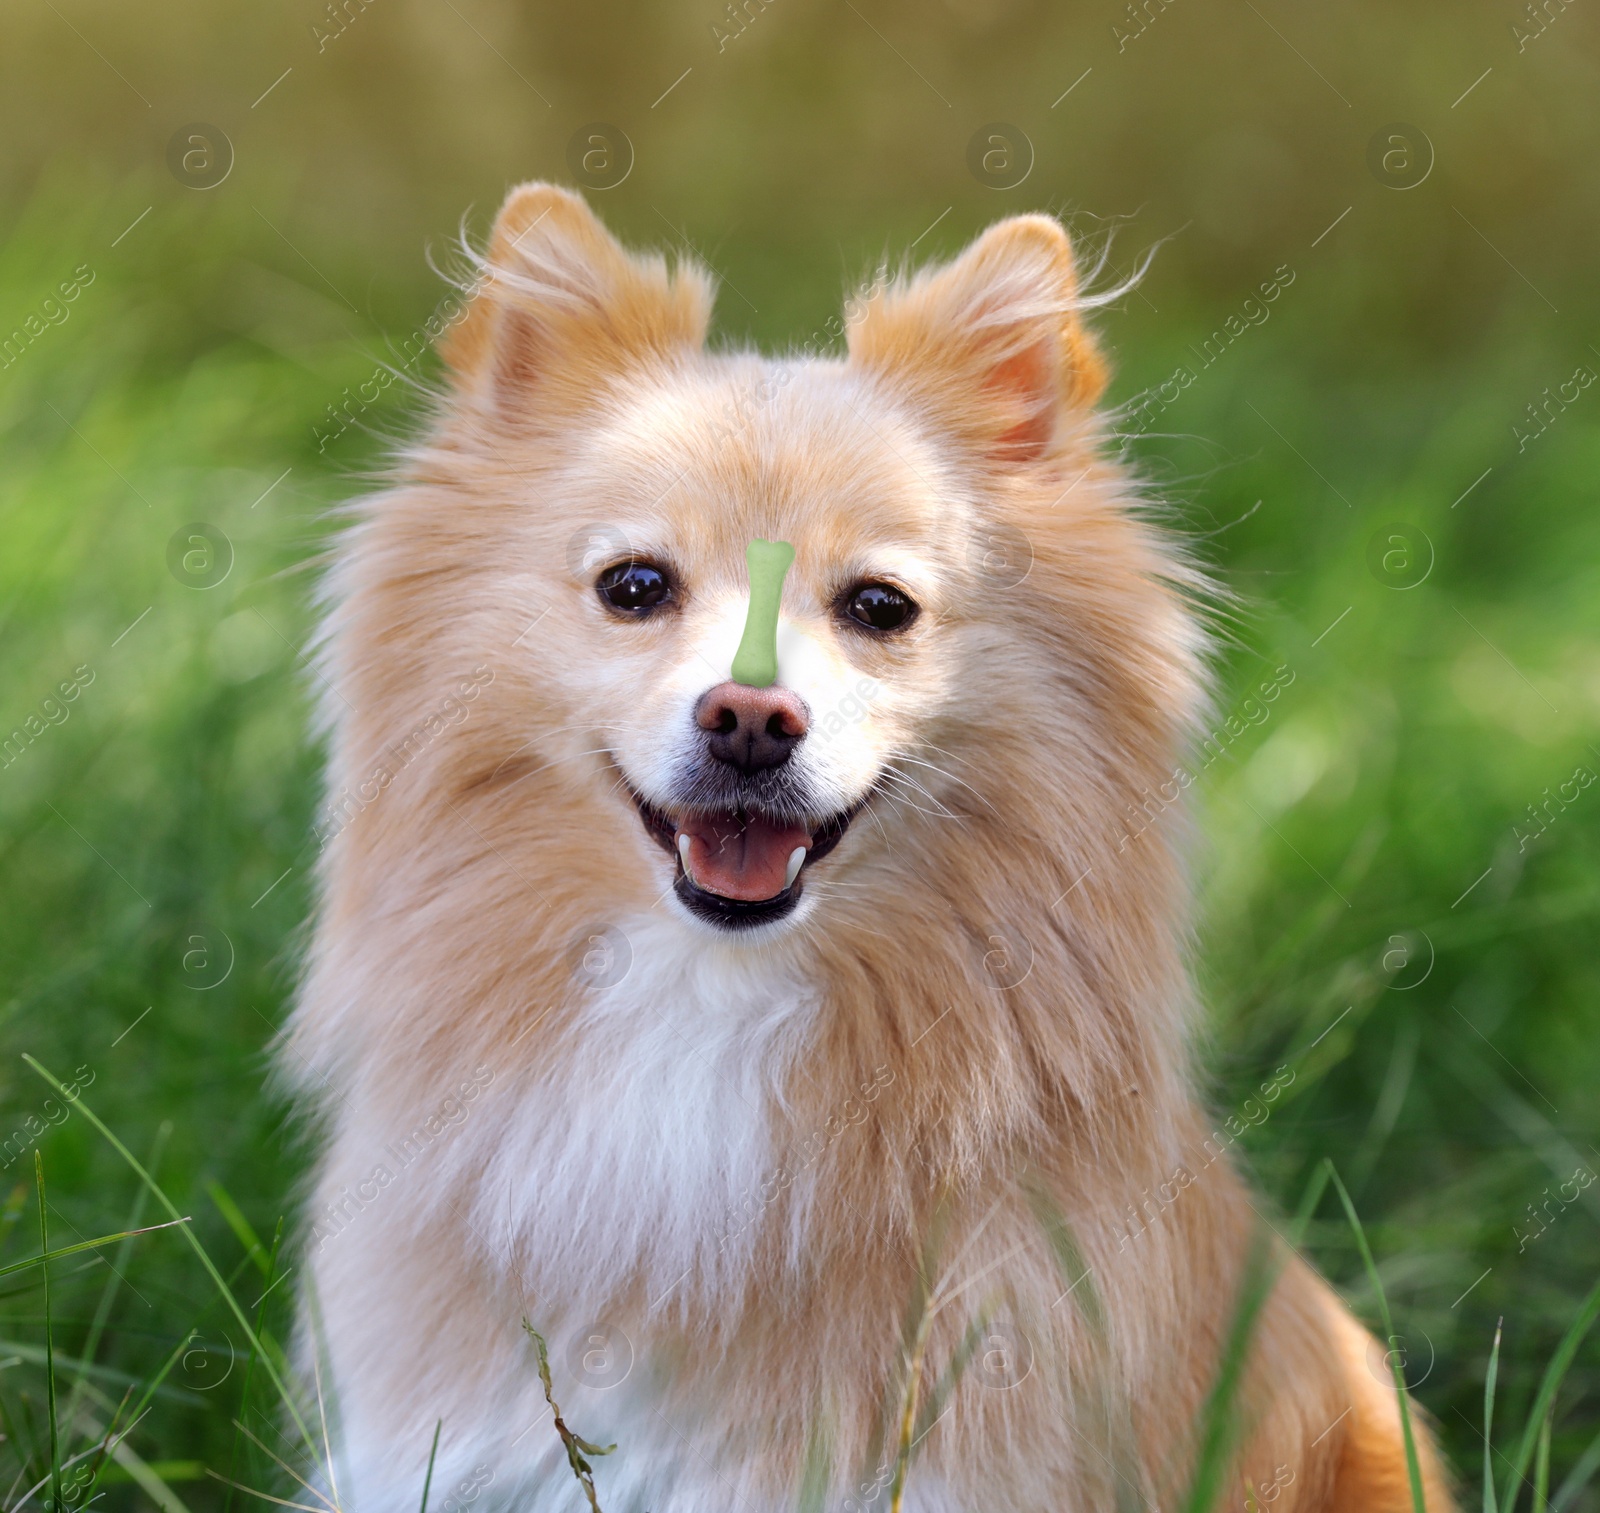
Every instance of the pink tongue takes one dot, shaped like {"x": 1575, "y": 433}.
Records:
{"x": 744, "y": 859}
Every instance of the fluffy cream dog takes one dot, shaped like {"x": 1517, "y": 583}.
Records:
{"x": 734, "y": 1036}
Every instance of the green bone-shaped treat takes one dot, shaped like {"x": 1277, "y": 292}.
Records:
{"x": 755, "y": 664}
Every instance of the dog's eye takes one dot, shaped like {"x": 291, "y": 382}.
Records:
{"x": 879, "y": 607}
{"x": 635, "y": 588}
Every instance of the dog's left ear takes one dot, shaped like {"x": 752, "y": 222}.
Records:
{"x": 993, "y": 342}
{"x": 560, "y": 306}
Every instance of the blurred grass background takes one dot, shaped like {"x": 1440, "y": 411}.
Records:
{"x": 1369, "y": 913}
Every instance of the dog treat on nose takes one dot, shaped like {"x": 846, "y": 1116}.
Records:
{"x": 755, "y": 664}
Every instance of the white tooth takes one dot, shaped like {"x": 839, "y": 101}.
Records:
{"x": 797, "y": 859}
{"x": 683, "y": 855}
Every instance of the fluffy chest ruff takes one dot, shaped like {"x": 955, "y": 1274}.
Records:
{"x": 639, "y": 1161}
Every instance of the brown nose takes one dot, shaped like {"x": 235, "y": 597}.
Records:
{"x": 752, "y": 729}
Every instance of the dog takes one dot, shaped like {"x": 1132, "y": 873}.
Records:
{"x": 807, "y": 1064}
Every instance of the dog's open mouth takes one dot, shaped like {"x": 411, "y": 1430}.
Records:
{"x": 739, "y": 867}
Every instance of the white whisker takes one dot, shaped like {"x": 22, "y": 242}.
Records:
{"x": 951, "y": 777}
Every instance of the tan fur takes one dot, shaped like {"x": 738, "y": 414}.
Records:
{"x": 987, "y": 948}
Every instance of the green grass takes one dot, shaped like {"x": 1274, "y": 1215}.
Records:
{"x": 1389, "y": 1338}
{"x": 1367, "y": 916}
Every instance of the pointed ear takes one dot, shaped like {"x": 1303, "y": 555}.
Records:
{"x": 992, "y": 342}
{"x": 559, "y": 307}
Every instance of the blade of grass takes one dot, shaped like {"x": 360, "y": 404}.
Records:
{"x": 1548, "y": 1387}
{"x": 316, "y": 1377}
{"x": 1419, "y": 1503}
{"x": 282, "y": 1502}
{"x": 150, "y": 1481}
{"x": 908, "y": 1411}
{"x": 1391, "y": 1098}
{"x": 108, "y": 1293}
{"x": 878, "y": 1461}
{"x": 1309, "y": 1200}
{"x": 55, "y": 1475}
{"x": 817, "y": 1470}
{"x": 30, "y": 1424}
{"x": 250, "y": 1363}
{"x": 427, "y": 1481}
{"x": 953, "y": 1372}
{"x": 121, "y": 1452}
{"x": 205, "y": 1259}
{"x": 16, "y": 1201}
{"x": 21, "y": 1447}
{"x": 167, "y": 1470}
{"x": 1220, "y": 1423}
{"x": 1578, "y": 1477}
{"x": 105, "y": 1446}
{"x": 575, "y": 1447}
{"x": 34, "y": 1355}
{"x": 49, "y": 1341}
{"x": 1102, "y": 1404}
{"x": 1069, "y": 1258}
{"x": 1490, "y": 1504}
{"x": 72, "y": 1250}
{"x": 1541, "y": 1469}
{"x": 915, "y": 1331}
{"x": 140, "y": 1470}
{"x": 1542, "y": 1138}
{"x": 240, "y": 1226}
{"x": 284, "y": 1465}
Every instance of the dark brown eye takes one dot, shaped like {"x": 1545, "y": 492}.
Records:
{"x": 635, "y": 588}
{"x": 879, "y": 607}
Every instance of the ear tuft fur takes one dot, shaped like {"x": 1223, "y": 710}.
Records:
{"x": 558, "y": 305}
{"x": 994, "y": 340}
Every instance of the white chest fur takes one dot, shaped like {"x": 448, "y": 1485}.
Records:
{"x": 636, "y": 1154}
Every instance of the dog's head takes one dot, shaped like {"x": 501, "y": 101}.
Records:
{"x": 974, "y": 634}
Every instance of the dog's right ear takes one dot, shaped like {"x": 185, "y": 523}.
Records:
{"x": 994, "y": 342}
{"x": 559, "y": 307}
